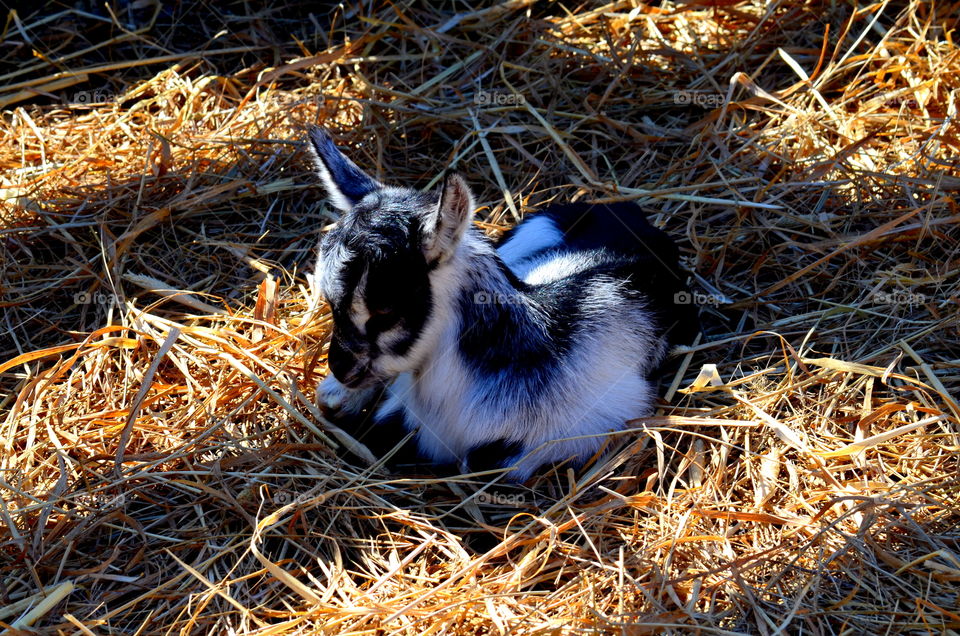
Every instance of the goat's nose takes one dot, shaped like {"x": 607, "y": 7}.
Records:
{"x": 346, "y": 367}
{"x": 340, "y": 359}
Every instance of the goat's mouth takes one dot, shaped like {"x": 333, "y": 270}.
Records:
{"x": 358, "y": 379}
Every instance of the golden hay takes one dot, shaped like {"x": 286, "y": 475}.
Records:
{"x": 165, "y": 469}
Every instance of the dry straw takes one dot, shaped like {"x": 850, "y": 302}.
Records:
{"x": 164, "y": 468}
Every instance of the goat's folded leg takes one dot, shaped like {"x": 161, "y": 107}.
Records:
{"x": 361, "y": 414}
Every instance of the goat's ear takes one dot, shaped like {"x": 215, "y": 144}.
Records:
{"x": 445, "y": 225}
{"x": 345, "y": 183}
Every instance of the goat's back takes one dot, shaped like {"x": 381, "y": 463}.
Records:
{"x": 619, "y": 236}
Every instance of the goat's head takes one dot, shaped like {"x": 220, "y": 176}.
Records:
{"x": 379, "y": 267}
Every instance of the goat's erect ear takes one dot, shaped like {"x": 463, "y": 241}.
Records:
{"x": 345, "y": 182}
{"x": 446, "y": 224}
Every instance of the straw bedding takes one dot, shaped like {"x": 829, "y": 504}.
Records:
{"x": 164, "y": 468}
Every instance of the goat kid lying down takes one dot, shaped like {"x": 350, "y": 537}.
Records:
{"x": 509, "y": 356}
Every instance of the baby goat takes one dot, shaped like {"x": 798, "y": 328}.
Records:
{"x": 497, "y": 357}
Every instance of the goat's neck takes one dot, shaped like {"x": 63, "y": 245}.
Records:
{"x": 490, "y": 316}
{"x": 485, "y": 272}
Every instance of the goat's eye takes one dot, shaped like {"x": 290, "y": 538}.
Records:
{"x": 382, "y": 318}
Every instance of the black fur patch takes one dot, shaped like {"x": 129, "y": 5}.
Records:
{"x": 382, "y": 436}
{"x": 492, "y": 455}
{"x": 398, "y": 292}
{"x": 496, "y": 340}
{"x": 529, "y": 351}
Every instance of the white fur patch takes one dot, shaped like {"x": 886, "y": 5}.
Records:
{"x": 554, "y": 266}
{"x": 326, "y": 276}
{"x": 534, "y": 235}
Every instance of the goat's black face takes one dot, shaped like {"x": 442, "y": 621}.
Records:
{"x": 377, "y": 264}
{"x": 376, "y": 279}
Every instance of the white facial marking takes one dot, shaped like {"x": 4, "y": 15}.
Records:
{"x": 329, "y": 270}
{"x": 359, "y": 314}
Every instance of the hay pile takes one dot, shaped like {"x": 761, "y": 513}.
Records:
{"x": 164, "y": 469}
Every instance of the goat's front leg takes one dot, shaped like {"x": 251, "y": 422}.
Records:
{"x": 336, "y": 400}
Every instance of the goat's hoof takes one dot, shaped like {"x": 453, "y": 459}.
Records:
{"x": 331, "y": 396}
{"x": 336, "y": 400}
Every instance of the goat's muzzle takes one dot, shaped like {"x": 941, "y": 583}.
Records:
{"x": 351, "y": 369}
